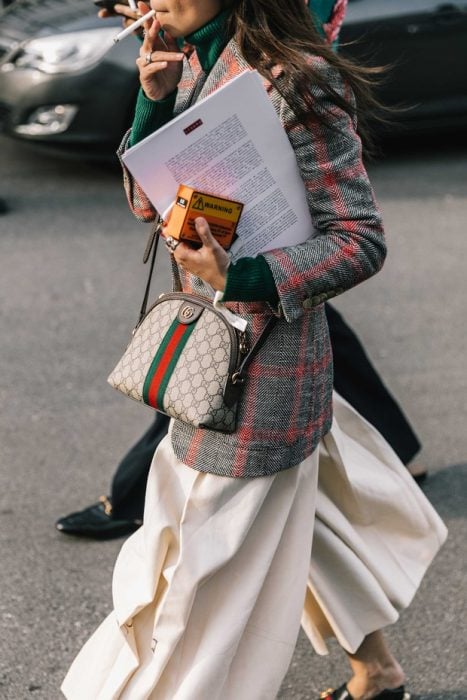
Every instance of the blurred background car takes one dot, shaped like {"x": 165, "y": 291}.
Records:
{"x": 425, "y": 43}
{"x": 65, "y": 84}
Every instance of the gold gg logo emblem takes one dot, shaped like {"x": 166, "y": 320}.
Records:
{"x": 187, "y": 312}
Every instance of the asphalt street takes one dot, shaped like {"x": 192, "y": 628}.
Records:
{"x": 71, "y": 280}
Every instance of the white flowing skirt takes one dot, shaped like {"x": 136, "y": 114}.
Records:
{"x": 208, "y": 594}
{"x": 375, "y": 535}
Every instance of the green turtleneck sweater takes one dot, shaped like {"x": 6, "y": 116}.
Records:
{"x": 150, "y": 115}
{"x": 250, "y": 279}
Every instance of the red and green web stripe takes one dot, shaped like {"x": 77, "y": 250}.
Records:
{"x": 164, "y": 363}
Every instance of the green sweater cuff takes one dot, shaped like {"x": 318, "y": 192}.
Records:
{"x": 250, "y": 279}
{"x": 150, "y": 115}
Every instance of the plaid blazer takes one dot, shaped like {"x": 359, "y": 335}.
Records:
{"x": 286, "y": 405}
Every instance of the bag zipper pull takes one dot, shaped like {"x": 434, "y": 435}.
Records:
{"x": 242, "y": 343}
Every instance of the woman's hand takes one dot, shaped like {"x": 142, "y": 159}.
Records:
{"x": 159, "y": 62}
{"x": 210, "y": 262}
{"x": 128, "y": 15}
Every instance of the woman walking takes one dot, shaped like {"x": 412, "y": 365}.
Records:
{"x": 208, "y": 594}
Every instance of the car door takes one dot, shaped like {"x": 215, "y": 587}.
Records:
{"x": 425, "y": 42}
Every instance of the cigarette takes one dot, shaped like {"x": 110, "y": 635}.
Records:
{"x": 133, "y": 5}
{"x": 139, "y": 22}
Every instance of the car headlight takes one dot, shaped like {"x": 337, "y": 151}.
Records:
{"x": 66, "y": 53}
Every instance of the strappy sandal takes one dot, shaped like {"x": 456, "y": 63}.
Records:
{"x": 342, "y": 693}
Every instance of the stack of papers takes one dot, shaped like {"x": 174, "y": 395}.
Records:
{"x": 230, "y": 144}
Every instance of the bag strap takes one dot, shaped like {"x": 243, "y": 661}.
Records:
{"x": 153, "y": 240}
{"x": 238, "y": 375}
{"x": 152, "y": 244}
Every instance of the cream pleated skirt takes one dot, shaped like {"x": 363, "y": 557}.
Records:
{"x": 375, "y": 535}
{"x": 208, "y": 594}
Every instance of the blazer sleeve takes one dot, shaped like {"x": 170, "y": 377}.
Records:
{"x": 139, "y": 203}
{"x": 349, "y": 244}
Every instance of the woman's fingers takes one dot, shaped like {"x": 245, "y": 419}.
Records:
{"x": 162, "y": 56}
{"x": 147, "y": 44}
{"x": 154, "y": 37}
{"x": 154, "y": 68}
{"x": 143, "y": 8}
{"x": 153, "y": 40}
{"x": 158, "y": 60}
{"x": 210, "y": 262}
{"x": 204, "y": 232}
{"x": 125, "y": 11}
{"x": 160, "y": 65}
{"x": 153, "y": 32}
{"x": 186, "y": 256}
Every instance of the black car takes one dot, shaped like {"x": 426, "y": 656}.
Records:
{"x": 425, "y": 44}
{"x": 64, "y": 83}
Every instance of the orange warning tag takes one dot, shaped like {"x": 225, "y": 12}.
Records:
{"x": 221, "y": 214}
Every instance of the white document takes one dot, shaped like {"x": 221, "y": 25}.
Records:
{"x": 230, "y": 144}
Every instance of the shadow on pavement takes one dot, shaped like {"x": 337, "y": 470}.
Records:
{"x": 447, "y": 491}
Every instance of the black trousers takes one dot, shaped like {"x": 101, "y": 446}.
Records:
{"x": 355, "y": 379}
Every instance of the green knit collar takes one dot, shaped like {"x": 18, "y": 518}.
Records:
{"x": 210, "y": 40}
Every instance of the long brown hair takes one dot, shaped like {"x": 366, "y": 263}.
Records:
{"x": 282, "y": 33}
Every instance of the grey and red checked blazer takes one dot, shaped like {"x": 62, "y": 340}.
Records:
{"x": 286, "y": 405}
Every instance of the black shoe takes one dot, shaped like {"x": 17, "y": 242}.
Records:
{"x": 342, "y": 693}
{"x": 418, "y": 472}
{"x": 96, "y": 522}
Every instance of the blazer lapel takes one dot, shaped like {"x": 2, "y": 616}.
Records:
{"x": 192, "y": 71}
{"x": 229, "y": 64}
